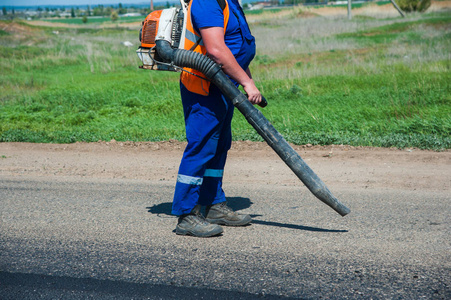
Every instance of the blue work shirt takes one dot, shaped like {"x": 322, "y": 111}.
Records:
{"x": 238, "y": 37}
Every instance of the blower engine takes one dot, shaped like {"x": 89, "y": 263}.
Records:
{"x": 167, "y": 24}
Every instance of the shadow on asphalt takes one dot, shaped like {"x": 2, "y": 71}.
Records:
{"x": 240, "y": 203}
{"x": 293, "y": 226}
{"x": 34, "y": 286}
{"x": 236, "y": 203}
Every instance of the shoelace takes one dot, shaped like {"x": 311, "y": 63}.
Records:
{"x": 225, "y": 208}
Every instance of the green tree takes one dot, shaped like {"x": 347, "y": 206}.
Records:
{"x": 294, "y": 2}
{"x": 72, "y": 12}
{"x": 108, "y": 10}
{"x": 413, "y": 5}
{"x": 114, "y": 16}
{"x": 122, "y": 10}
{"x": 84, "y": 19}
{"x": 144, "y": 11}
{"x": 4, "y": 11}
{"x": 88, "y": 11}
{"x": 98, "y": 10}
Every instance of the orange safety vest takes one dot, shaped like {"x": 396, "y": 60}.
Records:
{"x": 194, "y": 43}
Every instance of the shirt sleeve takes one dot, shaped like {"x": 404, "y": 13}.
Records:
{"x": 206, "y": 13}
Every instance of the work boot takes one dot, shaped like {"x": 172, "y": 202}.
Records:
{"x": 223, "y": 215}
{"x": 195, "y": 224}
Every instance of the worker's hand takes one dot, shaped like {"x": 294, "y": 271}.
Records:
{"x": 253, "y": 94}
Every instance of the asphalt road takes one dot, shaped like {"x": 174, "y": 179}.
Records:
{"x": 113, "y": 239}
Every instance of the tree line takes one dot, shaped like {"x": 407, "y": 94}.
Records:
{"x": 73, "y": 12}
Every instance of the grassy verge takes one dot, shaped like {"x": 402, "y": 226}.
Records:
{"x": 365, "y": 82}
{"x": 96, "y": 20}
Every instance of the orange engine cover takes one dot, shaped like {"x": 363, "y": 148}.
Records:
{"x": 150, "y": 28}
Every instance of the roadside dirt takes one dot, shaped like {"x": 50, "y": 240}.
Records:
{"x": 340, "y": 167}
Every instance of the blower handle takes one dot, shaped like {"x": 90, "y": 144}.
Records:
{"x": 263, "y": 103}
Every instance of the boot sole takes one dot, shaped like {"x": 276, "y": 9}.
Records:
{"x": 225, "y": 222}
{"x": 181, "y": 231}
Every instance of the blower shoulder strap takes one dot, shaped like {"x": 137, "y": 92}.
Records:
{"x": 222, "y": 4}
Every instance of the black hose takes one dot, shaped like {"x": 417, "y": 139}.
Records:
{"x": 197, "y": 61}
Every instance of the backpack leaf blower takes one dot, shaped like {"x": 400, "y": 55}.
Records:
{"x": 162, "y": 37}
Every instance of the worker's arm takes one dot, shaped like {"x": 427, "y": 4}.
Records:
{"x": 213, "y": 38}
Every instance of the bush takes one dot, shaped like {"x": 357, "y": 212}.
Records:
{"x": 414, "y": 5}
{"x": 114, "y": 16}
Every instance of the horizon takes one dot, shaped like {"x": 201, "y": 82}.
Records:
{"x": 43, "y": 3}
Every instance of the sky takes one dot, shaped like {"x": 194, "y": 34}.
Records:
{"x": 68, "y": 2}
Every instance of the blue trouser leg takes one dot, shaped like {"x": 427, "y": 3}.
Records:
{"x": 211, "y": 191}
{"x": 208, "y": 131}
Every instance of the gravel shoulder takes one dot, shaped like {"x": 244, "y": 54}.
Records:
{"x": 340, "y": 167}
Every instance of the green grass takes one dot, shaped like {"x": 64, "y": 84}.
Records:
{"x": 386, "y": 85}
{"x": 261, "y": 11}
{"x": 96, "y": 20}
{"x": 365, "y": 110}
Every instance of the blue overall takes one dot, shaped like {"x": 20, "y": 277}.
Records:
{"x": 208, "y": 118}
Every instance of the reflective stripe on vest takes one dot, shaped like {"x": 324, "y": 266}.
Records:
{"x": 194, "y": 83}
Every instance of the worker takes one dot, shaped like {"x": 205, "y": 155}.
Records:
{"x": 218, "y": 29}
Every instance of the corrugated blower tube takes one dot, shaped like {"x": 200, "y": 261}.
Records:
{"x": 184, "y": 58}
